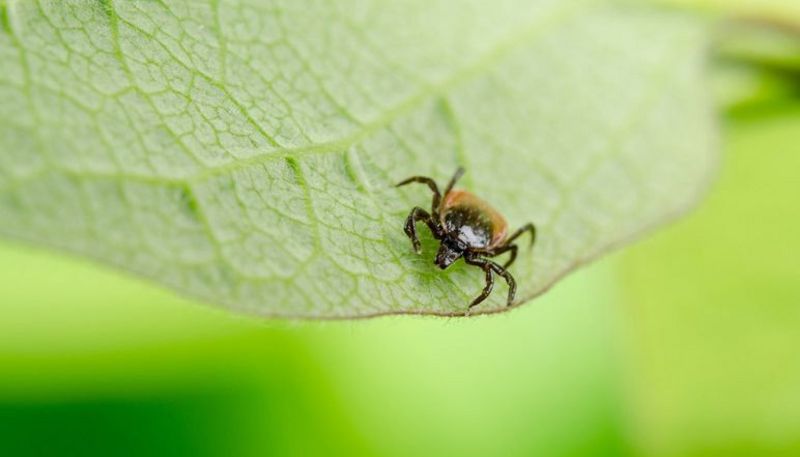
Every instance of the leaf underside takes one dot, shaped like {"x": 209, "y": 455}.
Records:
{"x": 244, "y": 152}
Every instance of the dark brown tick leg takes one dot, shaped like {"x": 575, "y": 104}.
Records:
{"x": 512, "y": 284}
{"x": 525, "y": 228}
{"x": 484, "y": 264}
{"x": 459, "y": 172}
{"x": 507, "y": 248}
{"x": 419, "y": 214}
{"x": 513, "y": 248}
{"x": 437, "y": 196}
{"x": 486, "y": 290}
{"x": 486, "y": 267}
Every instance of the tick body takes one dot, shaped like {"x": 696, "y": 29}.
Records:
{"x": 466, "y": 226}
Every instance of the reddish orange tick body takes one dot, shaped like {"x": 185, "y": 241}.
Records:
{"x": 467, "y": 227}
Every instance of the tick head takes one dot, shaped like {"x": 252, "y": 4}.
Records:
{"x": 447, "y": 254}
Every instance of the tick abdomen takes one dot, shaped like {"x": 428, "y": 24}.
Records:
{"x": 472, "y": 220}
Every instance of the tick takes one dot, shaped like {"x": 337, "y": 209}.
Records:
{"x": 468, "y": 227}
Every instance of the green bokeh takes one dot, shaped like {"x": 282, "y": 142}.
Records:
{"x": 713, "y": 312}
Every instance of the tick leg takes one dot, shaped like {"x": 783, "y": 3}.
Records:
{"x": 459, "y": 172}
{"x": 493, "y": 267}
{"x": 418, "y": 214}
{"x": 437, "y": 196}
{"x": 487, "y": 268}
{"x": 507, "y": 248}
{"x": 486, "y": 290}
{"x": 512, "y": 284}
{"x": 525, "y": 228}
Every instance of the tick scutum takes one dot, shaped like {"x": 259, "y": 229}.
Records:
{"x": 469, "y": 225}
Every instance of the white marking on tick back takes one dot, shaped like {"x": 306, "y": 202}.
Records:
{"x": 472, "y": 238}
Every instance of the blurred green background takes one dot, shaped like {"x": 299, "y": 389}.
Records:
{"x": 684, "y": 344}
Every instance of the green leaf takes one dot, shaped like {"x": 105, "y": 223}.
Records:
{"x": 245, "y": 152}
